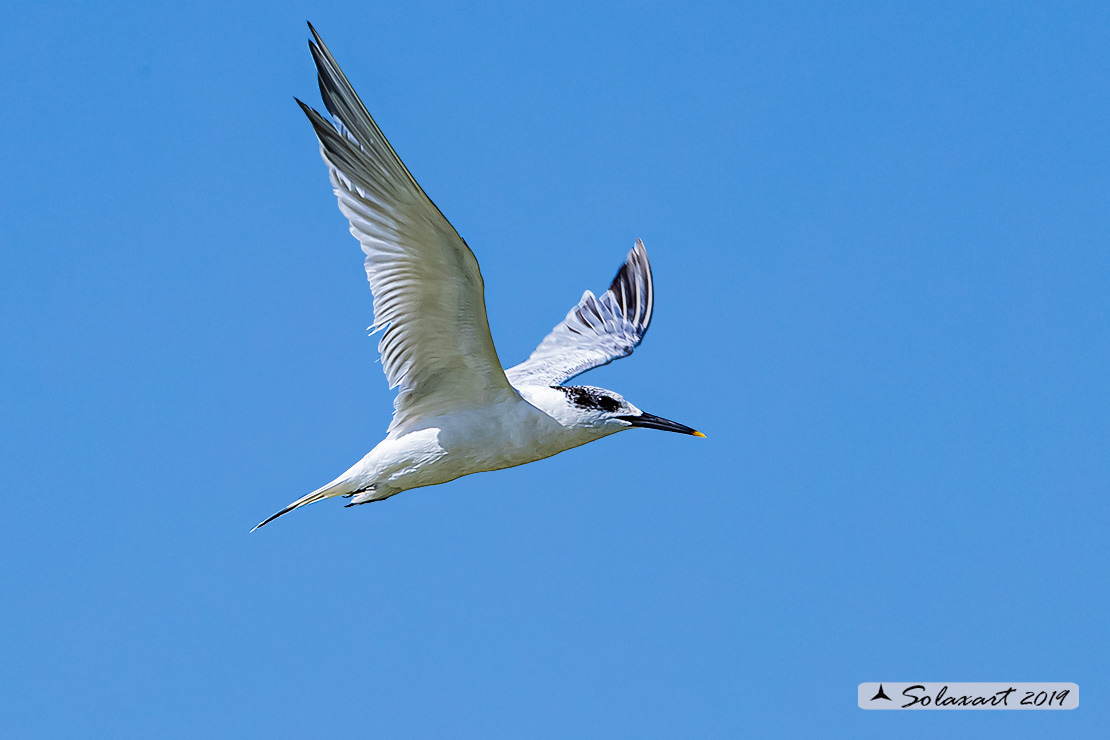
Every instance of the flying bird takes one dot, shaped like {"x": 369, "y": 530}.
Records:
{"x": 457, "y": 410}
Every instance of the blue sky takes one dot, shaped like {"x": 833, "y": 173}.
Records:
{"x": 879, "y": 234}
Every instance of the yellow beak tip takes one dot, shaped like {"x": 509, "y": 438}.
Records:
{"x": 699, "y": 434}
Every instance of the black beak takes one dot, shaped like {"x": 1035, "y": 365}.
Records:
{"x": 650, "y": 421}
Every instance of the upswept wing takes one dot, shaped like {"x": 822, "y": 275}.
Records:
{"x": 429, "y": 296}
{"x": 597, "y": 330}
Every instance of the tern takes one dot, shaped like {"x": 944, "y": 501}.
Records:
{"x": 458, "y": 411}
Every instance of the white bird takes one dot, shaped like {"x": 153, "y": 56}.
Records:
{"x": 457, "y": 411}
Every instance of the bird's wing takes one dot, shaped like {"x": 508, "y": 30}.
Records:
{"x": 597, "y": 330}
{"x": 428, "y": 292}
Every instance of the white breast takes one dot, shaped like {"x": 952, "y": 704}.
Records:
{"x": 513, "y": 431}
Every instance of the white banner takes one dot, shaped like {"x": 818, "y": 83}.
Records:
{"x": 975, "y": 695}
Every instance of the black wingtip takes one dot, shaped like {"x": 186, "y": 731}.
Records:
{"x": 308, "y": 110}
{"x": 315, "y": 34}
{"x": 315, "y": 40}
{"x": 636, "y": 267}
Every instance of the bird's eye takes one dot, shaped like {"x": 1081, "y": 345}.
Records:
{"x": 608, "y": 404}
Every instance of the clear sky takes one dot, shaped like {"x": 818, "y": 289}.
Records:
{"x": 880, "y": 241}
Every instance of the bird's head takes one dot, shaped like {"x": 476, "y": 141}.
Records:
{"x": 609, "y": 412}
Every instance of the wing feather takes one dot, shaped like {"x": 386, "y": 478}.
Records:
{"x": 429, "y": 297}
{"x": 597, "y": 330}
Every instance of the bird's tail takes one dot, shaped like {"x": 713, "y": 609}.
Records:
{"x": 338, "y": 487}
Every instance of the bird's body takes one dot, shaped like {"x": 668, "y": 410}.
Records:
{"x": 517, "y": 429}
{"x": 457, "y": 410}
